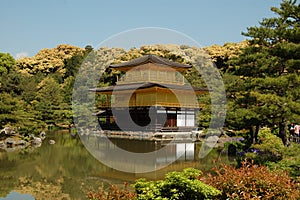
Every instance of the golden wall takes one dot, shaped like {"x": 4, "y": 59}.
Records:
{"x": 161, "y": 97}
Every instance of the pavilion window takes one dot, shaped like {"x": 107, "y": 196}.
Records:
{"x": 181, "y": 121}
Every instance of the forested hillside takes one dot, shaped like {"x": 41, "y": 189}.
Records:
{"x": 37, "y": 91}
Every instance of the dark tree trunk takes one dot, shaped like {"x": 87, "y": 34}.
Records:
{"x": 252, "y": 135}
{"x": 282, "y": 131}
{"x": 256, "y": 133}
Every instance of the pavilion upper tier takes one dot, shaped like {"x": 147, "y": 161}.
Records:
{"x": 151, "y": 68}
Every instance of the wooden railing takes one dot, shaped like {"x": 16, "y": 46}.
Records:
{"x": 164, "y": 104}
{"x": 177, "y": 80}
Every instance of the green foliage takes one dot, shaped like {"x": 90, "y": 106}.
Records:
{"x": 73, "y": 63}
{"x": 268, "y": 149}
{"x": 16, "y": 90}
{"x": 176, "y": 185}
{"x": 18, "y": 114}
{"x": 49, "y": 102}
{"x": 7, "y": 109}
{"x": 7, "y": 62}
{"x": 253, "y": 182}
{"x": 290, "y": 162}
{"x": 28, "y": 86}
{"x": 204, "y": 115}
{"x": 29, "y": 102}
{"x": 9, "y": 78}
{"x": 269, "y": 142}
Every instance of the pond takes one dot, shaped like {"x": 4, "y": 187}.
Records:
{"x": 67, "y": 170}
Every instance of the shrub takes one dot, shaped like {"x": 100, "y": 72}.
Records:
{"x": 183, "y": 185}
{"x": 269, "y": 142}
{"x": 290, "y": 161}
{"x": 268, "y": 149}
{"x": 252, "y": 182}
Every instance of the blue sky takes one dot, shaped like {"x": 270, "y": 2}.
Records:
{"x": 27, "y": 26}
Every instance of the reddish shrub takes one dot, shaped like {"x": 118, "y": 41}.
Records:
{"x": 114, "y": 193}
{"x": 252, "y": 182}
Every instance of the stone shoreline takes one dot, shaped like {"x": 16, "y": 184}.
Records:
{"x": 11, "y": 141}
{"x": 16, "y": 142}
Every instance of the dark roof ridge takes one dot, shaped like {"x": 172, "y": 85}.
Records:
{"x": 147, "y": 59}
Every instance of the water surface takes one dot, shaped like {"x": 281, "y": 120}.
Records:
{"x": 66, "y": 170}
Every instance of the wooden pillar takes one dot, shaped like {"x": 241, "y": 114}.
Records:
{"x": 107, "y": 116}
{"x": 106, "y": 100}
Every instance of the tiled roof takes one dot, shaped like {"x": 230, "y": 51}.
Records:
{"x": 149, "y": 59}
{"x": 135, "y": 86}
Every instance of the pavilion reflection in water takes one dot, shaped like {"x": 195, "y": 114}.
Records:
{"x": 141, "y": 156}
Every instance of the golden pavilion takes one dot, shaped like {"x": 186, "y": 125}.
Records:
{"x": 152, "y": 95}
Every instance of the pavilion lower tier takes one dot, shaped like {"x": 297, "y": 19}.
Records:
{"x": 150, "y": 119}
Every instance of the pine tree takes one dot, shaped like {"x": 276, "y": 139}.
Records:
{"x": 268, "y": 72}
